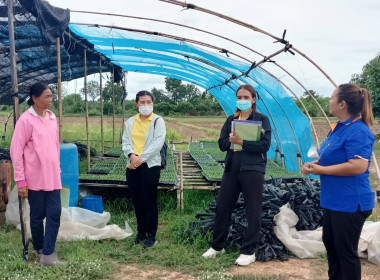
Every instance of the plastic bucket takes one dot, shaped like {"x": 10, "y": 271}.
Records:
{"x": 93, "y": 203}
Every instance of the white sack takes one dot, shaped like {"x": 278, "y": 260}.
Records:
{"x": 308, "y": 243}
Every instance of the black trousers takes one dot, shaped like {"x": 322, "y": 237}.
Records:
{"x": 44, "y": 204}
{"x": 341, "y": 234}
{"x": 234, "y": 181}
{"x": 142, "y": 183}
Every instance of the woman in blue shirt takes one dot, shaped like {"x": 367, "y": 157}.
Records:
{"x": 346, "y": 194}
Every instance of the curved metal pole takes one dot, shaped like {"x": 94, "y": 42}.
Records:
{"x": 172, "y": 23}
{"x": 240, "y": 44}
{"x": 312, "y": 96}
{"x": 242, "y": 23}
{"x": 275, "y": 128}
{"x": 210, "y": 46}
{"x": 257, "y": 30}
{"x": 303, "y": 105}
{"x": 291, "y": 125}
{"x": 165, "y": 35}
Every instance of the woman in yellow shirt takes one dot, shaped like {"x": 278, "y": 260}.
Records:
{"x": 143, "y": 139}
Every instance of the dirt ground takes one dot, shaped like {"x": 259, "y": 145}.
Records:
{"x": 293, "y": 269}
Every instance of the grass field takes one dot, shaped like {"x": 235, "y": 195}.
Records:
{"x": 96, "y": 259}
{"x": 175, "y": 252}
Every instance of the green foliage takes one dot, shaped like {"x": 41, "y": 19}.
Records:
{"x": 93, "y": 90}
{"x": 160, "y": 96}
{"x": 178, "y": 99}
{"x": 185, "y": 107}
{"x": 114, "y": 172}
{"x": 73, "y": 104}
{"x": 165, "y": 108}
{"x": 173, "y": 135}
{"x": 311, "y": 106}
{"x": 118, "y": 91}
{"x": 370, "y": 79}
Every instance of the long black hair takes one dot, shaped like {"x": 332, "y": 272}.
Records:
{"x": 142, "y": 93}
{"x": 251, "y": 91}
{"x": 36, "y": 90}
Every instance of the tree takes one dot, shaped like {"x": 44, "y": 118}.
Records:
{"x": 311, "y": 106}
{"x": 93, "y": 90}
{"x": 177, "y": 91}
{"x": 164, "y": 108}
{"x": 54, "y": 90}
{"x": 185, "y": 107}
{"x": 118, "y": 91}
{"x": 202, "y": 109}
{"x": 73, "y": 103}
{"x": 370, "y": 79}
{"x": 159, "y": 95}
{"x": 190, "y": 92}
{"x": 173, "y": 88}
{"x": 312, "y": 92}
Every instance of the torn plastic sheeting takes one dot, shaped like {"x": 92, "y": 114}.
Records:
{"x": 308, "y": 243}
{"x": 76, "y": 223}
{"x": 285, "y": 230}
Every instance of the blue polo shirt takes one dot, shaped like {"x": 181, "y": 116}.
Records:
{"x": 345, "y": 193}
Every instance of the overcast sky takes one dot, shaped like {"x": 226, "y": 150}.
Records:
{"x": 341, "y": 36}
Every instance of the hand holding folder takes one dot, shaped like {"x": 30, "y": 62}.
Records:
{"x": 247, "y": 130}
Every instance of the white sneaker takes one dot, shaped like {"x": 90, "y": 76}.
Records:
{"x": 211, "y": 253}
{"x": 244, "y": 260}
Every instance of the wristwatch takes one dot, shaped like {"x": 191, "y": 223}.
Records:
{"x": 129, "y": 155}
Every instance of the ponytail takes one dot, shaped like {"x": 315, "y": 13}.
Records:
{"x": 367, "y": 115}
{"x": 358, "y": 100}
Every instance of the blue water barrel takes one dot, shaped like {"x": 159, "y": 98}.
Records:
{"x": 70, "y": 170}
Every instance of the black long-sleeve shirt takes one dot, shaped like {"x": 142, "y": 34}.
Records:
{"x": 254, "y": 153}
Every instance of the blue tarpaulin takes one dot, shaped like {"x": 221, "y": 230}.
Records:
{"x": 146, "y": 53}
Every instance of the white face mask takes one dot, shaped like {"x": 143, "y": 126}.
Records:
{"x": 145, "y": 110}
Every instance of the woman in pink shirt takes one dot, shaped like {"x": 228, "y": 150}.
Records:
{"x": 35, "y": 157}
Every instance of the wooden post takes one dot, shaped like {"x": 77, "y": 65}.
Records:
{"x": 12, "y": 52}
{"x": 378, "y": 176}
{"x": 86, "y": 109}
{"x": 59, "y": 81}
{"x": 125, "y": 90}
{"x": 276, "y": 153}
{"x": 113, "y": 107}
{"x": 376, "y": 166}
{"x": 101, "y": 105}
{"x": 14, "y": 81}
{"x": 179, "y": 187}
{"x": 283, "y": 160}
{"x": 176, "y": 163}
{"x": 299, "y": 162}
{"x": 181, "y": 183}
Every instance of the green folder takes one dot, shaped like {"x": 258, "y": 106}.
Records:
{"x": 247, "y": 130}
